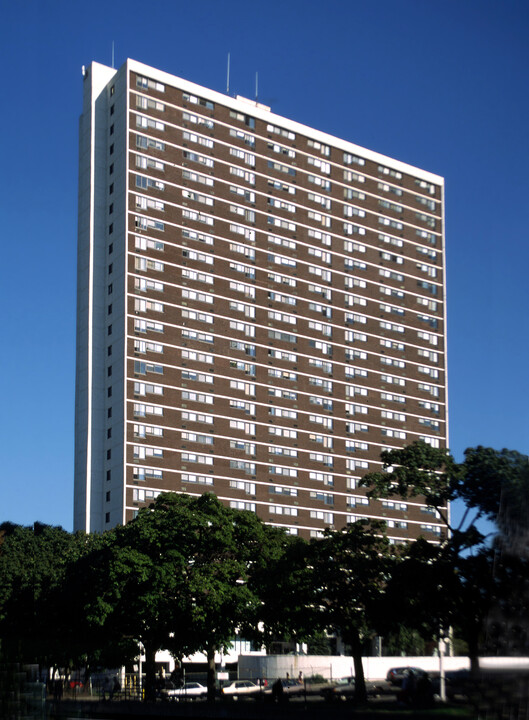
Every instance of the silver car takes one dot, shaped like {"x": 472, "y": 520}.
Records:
{"x": 188, "y": 691}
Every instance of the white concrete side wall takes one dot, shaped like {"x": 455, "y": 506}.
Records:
{"x": 375, "y": 668}
{"x": 90, "y": 158}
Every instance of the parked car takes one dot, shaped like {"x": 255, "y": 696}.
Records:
{"x": 457, "y": 683}
{"x": 344, "y": 689}
{"x": 188, "y": 691}
{"x": 240, "y": 688}
{"x": 396, "y": 675}
{"x": 290, "y": 688}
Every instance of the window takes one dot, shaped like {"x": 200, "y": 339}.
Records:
{"x": 248, "y": 195}
{"x": 387, "y": 205}
{"x": 283, "y": 432}
{"x": 194, "y": 100}
{"x": 141, "y": 388}
{"x": 323, "y": 149}
{"x": 282, "y": 355}
{"x": 143, "y": 223}
{"x": 323, "y": 347}
{"x": 283, "y": 510}
{"x": 141, "y": 410}
{"x": 248, "y": 233}
{"x": 245, "y": 175}
{"x": 248, "y": 215}
{"x": 244, "y": 347}
{"x": 197, "y": 296}
{"x": 392, "y": 380}
{"x": 246, "y": 447}
{"x": 429, "y": 237}
{"x": 247, "y": 407}
{"x": 201, "y": 159}
{"x": 197, "y": 216}
{"x": 321, "y": 364}
{"x": 141, "y": 452}
{"x": 198, "y": 197}
{"x": 247, "y": 310}
{"x": 196, "y": 458}
{"x": 143, "y": 264}
{"x": 198, "y": 276}
{"x": 244, "y": 466}
{"x": 141, "y": 368}
{"x": 282, "y": 279}
{"x": 198, "y": 336}
{"x": 148, "y": 84}
{"x": 245, "y": 137}
{"x": 197, "y": 397}
{"x": 194, "y": 235}
{"x": 246, "y": 427}
{"x": 324, "y": 183}
{"x": 197, "y": 417}
{"x": 246, "y": 157}
{"x": 323, "y": 237}
{"x": 148, "y": 183}
{"x": 427, "y": 219}
{"x": 349, "y": 159}
{"x": 244, "y": 387}
{"x": 282, "y": 490}
{"x": 146, "y": 103}
{"x": 282, "y": 317}
{"x": 279, "y": 167}
{"x": 146, "y": 122}
{"x": 390, "y": 223}
{"x": 197, "y": 376}
{"x": 323, "y": 420}
{"x": 146, "y": 143}
{"x": 282, "y": 374}
{"x": 350, "y": 176}
{"x": 246, "y": 119}
{"x": 283, "y": 412}
{"x": 247, "y": 270}
{"x": 145, "y": 203}
{"x": 282, "y": 150}
{"x": 284, "y": 242}
{"x": 322, "y": 383}
{"x": 325, "y": 275}
{"x": 278, "y": 450}
{"x": 199, "y": 479}
{"x": 320, "y": 218}
{"x": 389, "y": 274}
{"x": 431, "y": 389}
{"x": 281, "y": 204}
{"x": 281, "y": 131}
{"x": 280, "y": 223}
{"x": 320, "y": 327}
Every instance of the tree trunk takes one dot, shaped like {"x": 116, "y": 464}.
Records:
{"x": 211, "y": 673}
{"x": 360, "y": 681}
{"x": 473, "y": 652}
{"x": 150, "y": 674}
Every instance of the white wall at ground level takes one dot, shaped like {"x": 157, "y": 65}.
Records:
{"x": 375, "y": 668}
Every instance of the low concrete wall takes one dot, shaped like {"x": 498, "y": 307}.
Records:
{"x": 375, "y": 668}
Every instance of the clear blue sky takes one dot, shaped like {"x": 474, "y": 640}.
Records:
{"x": 440, "y": 84}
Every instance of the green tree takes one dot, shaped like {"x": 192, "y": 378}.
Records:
{"x": 284, "y": 584}
{"x": 458, "y": 576}
{"x": 34, "y": 562}
{"x": 351, "y": 569}
{"x": 176, "y": 578}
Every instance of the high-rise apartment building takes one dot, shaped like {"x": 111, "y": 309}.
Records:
{"x": 260, "y": 309}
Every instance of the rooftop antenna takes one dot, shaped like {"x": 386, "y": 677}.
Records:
{"x": 112, "y": 54}
{"x": 228, "y": 77}
{"x": 256, "y": 86}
